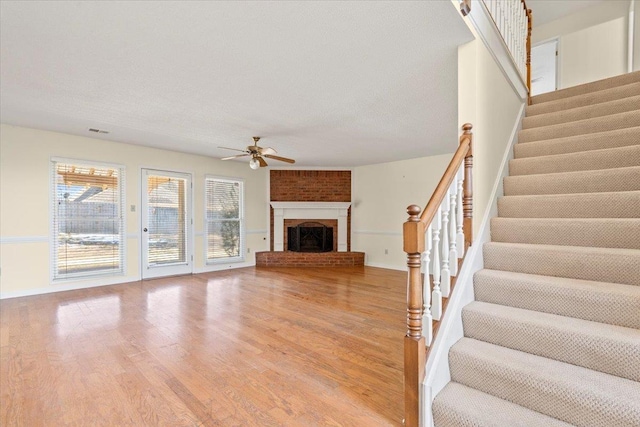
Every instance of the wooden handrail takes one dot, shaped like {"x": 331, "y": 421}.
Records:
{"x": 464, "y": 150}
{"x": 414, "y": 230}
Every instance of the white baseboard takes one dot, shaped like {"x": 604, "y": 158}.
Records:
{"x": 386, "y": 266}
{"x": 437, "y": 373}
{"x": 225, "y": 266}
{"x": 70, "y": 286}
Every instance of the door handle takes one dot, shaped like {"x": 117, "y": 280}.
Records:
{"x": 144, "y": 229}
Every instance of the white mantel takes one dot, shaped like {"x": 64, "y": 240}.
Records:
{"x": 309, "y": 210}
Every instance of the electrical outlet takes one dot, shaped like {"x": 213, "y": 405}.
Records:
{"x": 386, "y": 251}
{"x": 248, "y": 250}
{"x": 133, "y": 208}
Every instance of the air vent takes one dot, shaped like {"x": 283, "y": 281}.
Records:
{"x": 98, "y": 130}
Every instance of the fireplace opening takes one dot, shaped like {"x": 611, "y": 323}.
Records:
{"x": 310, "y": 237}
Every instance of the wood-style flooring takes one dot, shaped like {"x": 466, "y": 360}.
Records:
{"x": 244, "y": 347}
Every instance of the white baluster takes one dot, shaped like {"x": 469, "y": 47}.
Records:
{"x": 459, "y": 214}
{"x": 445, "y": 283}
{"x": 453, "y": 249}
{"x": 427, "y": 320}
{"x": 436, "y": 299}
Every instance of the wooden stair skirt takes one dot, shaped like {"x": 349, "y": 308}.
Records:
{"x": 309, "y": 259}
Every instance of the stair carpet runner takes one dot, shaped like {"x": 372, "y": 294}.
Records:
{"x": 553, "y": 336}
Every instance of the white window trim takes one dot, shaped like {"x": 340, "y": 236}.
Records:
{"x": 243, "y": 234}
{"x": 53, "y": 238}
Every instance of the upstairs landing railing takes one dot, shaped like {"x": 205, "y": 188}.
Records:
{"x": 434, "y": 240}
{"x": 514, "y": 22}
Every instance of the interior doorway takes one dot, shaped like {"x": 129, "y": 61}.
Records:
{"x": 544, "y": 67}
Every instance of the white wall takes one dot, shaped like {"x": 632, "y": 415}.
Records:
{"x": 24, "y": 202}
{"x": 593, "y": 43}
{"x": 381, "y": 194}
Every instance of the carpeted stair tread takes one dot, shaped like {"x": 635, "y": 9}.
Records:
{"x": 581, "y": 127}
{"x": 621, "y": 204}
{"x": 570, "y": 393}
{"x": 575, "y": 262}
{"x": 591, "y": 98}
{"x": 604, "y": 302}
{"x": 590, "y": 87}
{"x": 572, "y": 144}
{"x": 610, "y": 158}
{"x": 595, "y": 181}
{"x": 460, "y": 406}
{"x": 611, "y": 349}
{"x": 581, "y": 113}
{"x": 621, "y": 233}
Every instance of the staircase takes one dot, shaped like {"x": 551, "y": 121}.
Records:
{"x": 553, "y": 336}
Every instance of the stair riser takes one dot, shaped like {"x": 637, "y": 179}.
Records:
{"x": 612, "y": 158}
{"x": 582, "y": 127}
{"x": 612, "y": 94}
{"x": 582, "y": 113}
{"x": 608, "y": 303}
{"x": 601, "y": 233}
{"x": 597, "y": 141}
{"x": 460, "y": 406}
{"x": 562, "y": 262}
{"x": 599, "y": 85}
{"x": 615, "y": 355}
{"x": 595, "y": 205}
{"x": 627, "y": 179}
{"x": 551, "y": 389}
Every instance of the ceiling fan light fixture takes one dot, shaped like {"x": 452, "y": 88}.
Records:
{"x": 254, "y": 163}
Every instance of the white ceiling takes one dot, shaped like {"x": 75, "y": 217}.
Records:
{"x": 545, "y": 11}
{"x": 327, "y": 83}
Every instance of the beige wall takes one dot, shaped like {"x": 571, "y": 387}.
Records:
{"x": 636, "y": 35}
{"x": 381, "y": 194}
{"x": 592, "y": 44}
{"x": 487, "y": 100}
{"x": 24, "y": 201}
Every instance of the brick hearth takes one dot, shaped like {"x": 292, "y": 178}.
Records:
{"x": 307, "y": 259}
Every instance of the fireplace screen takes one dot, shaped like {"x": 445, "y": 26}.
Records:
{"x": 310, "y": 237}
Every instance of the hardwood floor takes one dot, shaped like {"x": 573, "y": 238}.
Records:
{"x": 245, "y": 347}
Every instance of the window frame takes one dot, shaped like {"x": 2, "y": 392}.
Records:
{"x": 54, "y": 276}
{"x": 243, "y": 236}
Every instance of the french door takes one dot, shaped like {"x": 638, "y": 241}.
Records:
{"x": 166, "y": 223}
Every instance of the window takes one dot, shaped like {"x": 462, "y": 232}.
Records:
{"x": 87, "y": 233}
{"x": 224, "y": 219}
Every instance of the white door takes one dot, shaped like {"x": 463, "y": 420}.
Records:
{"x": 166, "y": 224}
{"x": 544, "y": 68}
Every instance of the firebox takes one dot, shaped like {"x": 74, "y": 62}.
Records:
{"x": 310, "y": 237}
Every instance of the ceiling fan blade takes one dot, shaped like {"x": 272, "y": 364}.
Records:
{"x": 262, "y": 162}
{"x": 282, "y": 159}
{"x": 235, "y": 157}
{"x": 234, "y": 149}
{"x": 268, "y": 150}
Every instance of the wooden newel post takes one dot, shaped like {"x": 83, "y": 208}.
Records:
{"x": 467, "y": 199}
{"x": 414, "y": 342}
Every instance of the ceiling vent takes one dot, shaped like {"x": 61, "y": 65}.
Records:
{"x": 98, "y": 130}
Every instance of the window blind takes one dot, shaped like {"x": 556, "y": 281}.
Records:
{"x": 87, "y": 219}
{"x": 167, "y": 220}
{"x": 224, "y": 219}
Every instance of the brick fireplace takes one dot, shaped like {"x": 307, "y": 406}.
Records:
{"x": 315, "y": 196}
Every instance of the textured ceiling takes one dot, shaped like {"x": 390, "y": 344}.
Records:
{"x": 327, "y": 83}
{"x": 545, "y": 11}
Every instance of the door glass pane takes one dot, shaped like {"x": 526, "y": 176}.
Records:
{"x": 167, "y": 220}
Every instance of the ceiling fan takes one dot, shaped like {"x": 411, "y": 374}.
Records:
{"x": 257, "y": 154}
